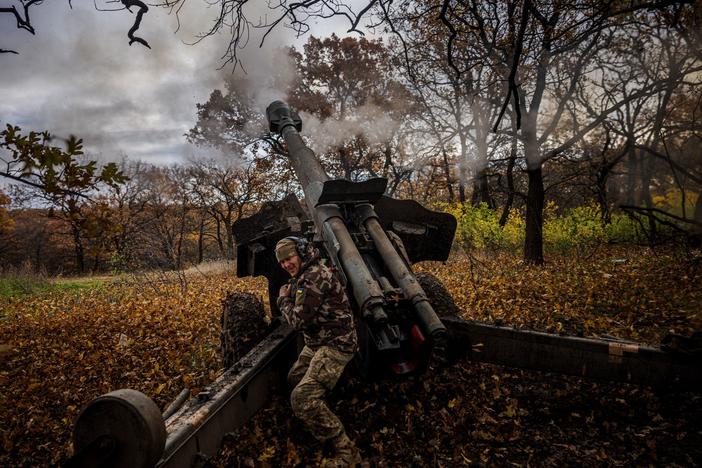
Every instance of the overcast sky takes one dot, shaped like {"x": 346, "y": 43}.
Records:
{"x": 78, "y": 75}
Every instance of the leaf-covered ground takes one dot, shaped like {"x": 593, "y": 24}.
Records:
{"x": 157, "y": 335}
{"x": 476, "y": 414}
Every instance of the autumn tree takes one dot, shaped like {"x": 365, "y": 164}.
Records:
{"x": 5, "y": 219}
{"x": 352, "y": 86}
{"x": 167, "y": 237}
{"x": 458, "y": 109}
{"x": 640, "y": 141}
{"x": 130, "y": 213}
{"x": 59, "y": 178}
{"x": 233, "y": 127}
{"x": 227, "y": 192}
{"x": 356, "y": 104}
{"x": 539, "y": 51}
{"x": 31, "y": 160}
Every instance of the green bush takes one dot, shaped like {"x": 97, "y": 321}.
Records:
{"x": 577, "y": 229}
{"x": 479, "y": 228}
{"x": 622, "y": 229}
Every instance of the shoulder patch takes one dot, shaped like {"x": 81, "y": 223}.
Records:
{"x": 300, "y": 296}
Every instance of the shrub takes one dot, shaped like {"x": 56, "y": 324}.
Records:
{"x": 479, "y": 227}
{"x": 577, "y": 229}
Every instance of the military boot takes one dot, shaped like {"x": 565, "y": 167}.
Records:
{"x": 345, "y": 452}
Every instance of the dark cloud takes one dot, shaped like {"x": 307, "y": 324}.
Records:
{"x": 78, "y": 75}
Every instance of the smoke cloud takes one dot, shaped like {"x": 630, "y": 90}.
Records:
{"x": 370, "y": 121}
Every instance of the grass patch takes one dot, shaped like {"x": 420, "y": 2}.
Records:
{"x": 72, "y": 285}
{"x": 22, "y": 282}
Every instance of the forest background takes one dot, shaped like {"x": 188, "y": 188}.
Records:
{"x": 596, "y": 139}
{"x": 564, "y": 137}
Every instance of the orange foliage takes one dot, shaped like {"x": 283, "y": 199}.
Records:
{"x": 6, "y": 222}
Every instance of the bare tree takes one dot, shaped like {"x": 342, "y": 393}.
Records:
{"x": 644, "y": 132}
{"x": 457, "y": 109}
{"x": 227, "y": 193}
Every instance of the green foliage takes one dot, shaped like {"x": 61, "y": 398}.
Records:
{"x": 623, "y": 229}
{"x": 577, "y": 229}
{"x": 672, "y": 202}
{"x": 57, "y": 172}
{"x": 479, "y": 227}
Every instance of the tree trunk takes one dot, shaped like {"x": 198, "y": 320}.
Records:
{"x": 481, "y": 192}
{"x": 78, "y": 247}
{"x": 697, "y": 227}
{"x": 447, "y": 174}
{"x": 220, "y": 244}
{"x": 38, "y": 250}
{"x": 646, "y": 172}
{"x": 179, "y": 244}
{"x": 632, "y": 192}
{"x": 533, "y": 240}
{"x": 200, "y": 241}
{"x": 430, "y": 184}
{"x": 230, "y": 240}
{"x": 461, "y": 192}
{"x": 601, "y": 191}
{"x": 462, "y": 167}
{"x": 510, "y": 179}
{"x": 603, "y": 199}
{"x": 344, "y": 160}
{"x": 510, "y": 173}
{"x": 96, "y": 262}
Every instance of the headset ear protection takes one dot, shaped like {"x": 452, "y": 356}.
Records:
{"x": 301, "y": 246}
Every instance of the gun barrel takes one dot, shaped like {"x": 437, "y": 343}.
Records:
{"x": 328, "y": 219}
{"x": 403, "y": 276}
{"x": 307, "y": 168}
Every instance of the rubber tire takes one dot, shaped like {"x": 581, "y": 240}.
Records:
{"x": 439, "y": 297}
{"x": 243, "y": 326}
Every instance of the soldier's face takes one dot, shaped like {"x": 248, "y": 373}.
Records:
{"x": 292, "y": 264}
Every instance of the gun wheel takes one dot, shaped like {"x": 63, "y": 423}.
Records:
{"x": 122, "y": 429}
{"x": 243, "y": 326}
{"x": 438, "y": 295}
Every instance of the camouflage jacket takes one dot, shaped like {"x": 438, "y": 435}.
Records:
{"x": 318, "y": 307}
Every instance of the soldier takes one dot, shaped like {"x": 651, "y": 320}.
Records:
{"x": 314, "y": 302}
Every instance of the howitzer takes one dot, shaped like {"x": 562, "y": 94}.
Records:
{"x": 363, "y": 233}
{"x": 371, "y": 240}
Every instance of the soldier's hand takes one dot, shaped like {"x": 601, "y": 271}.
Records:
{"x": 284, "y": 290}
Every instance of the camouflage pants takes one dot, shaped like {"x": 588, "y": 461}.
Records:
{"x": 312, "y": 376}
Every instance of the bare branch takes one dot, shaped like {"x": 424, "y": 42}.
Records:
{"x": 512, "y": 78}
{"x": 674, "y": 166}
{"x": 137, "y": 21}
{"x": 651, "y": 212}
{"x": 359, "y": 16}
